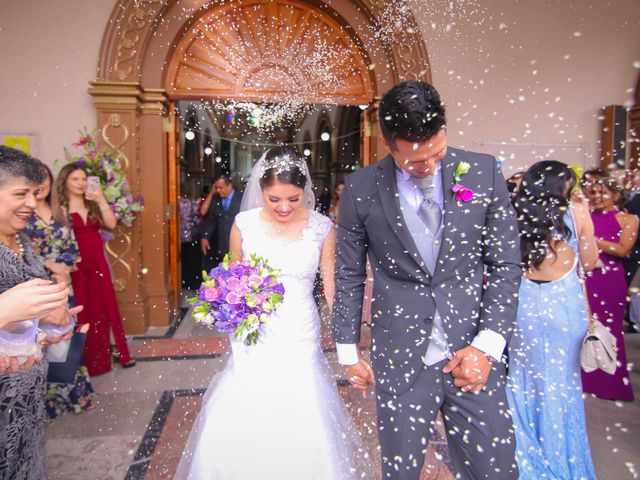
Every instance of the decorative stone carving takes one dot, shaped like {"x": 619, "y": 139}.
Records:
{"x": 139, "y": 16}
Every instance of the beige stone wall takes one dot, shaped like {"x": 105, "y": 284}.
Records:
{"x": 48, "y": 52}
{"x": 531, "y": 73}
{"x": 521, "y": 72}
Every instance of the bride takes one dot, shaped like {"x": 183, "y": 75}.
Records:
{"x": 274, "y": 412}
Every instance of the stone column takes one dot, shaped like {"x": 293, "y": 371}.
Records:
{"x": 130, "y": 121}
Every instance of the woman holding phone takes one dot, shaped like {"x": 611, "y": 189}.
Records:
{"x": 80, "y": 202}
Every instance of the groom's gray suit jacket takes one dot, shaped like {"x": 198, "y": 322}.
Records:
{"x": 475, "y": 282}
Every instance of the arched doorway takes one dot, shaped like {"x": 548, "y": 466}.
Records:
{"x": 156, "y": 52}
{"x": 269, "y": 51}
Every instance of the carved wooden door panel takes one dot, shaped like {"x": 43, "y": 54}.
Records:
{"x": 270, "y": 51}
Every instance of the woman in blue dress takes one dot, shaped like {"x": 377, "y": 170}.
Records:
{"x": 544, "y": 382}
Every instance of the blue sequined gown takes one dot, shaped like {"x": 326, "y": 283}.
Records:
{"x": 544, "y": 382}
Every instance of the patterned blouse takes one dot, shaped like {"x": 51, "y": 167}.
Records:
{"x": 52, "y": 242}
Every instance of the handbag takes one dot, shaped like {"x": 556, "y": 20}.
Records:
{"x": 65, "y": 372}
{"x": 599, "y": 347}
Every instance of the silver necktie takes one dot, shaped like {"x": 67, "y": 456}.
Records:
{"x": 429, "y": 211}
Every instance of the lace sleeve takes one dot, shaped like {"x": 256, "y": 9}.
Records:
{"x": 248, "y": 222}
{"x": 242, "y": 222}
{"x": 322, "y": 226}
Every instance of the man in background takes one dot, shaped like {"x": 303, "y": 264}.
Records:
{"x": 221, "y": 214}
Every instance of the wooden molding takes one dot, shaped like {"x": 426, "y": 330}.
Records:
{"x": 128, "y": 96}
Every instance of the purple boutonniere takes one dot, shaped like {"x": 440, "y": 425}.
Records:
{"x": 462, "y": 193}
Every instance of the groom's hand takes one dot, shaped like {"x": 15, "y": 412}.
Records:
{"x": 470, "y": 368}
{"x": 360, "y": 375}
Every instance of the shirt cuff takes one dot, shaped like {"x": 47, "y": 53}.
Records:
{"x": 491, "y": 343}
{"x": 347, "y": 353}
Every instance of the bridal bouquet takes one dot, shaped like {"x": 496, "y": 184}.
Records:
{"x": 105, "y": 164}
{"x": 238, "y": 298}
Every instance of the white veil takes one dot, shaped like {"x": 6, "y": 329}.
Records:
{"x": 252, "y": 196}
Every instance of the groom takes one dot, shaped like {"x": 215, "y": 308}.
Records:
{"x": 438, "y": 228}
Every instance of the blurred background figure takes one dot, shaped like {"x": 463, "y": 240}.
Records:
{"x": 514, "y": 182}
{"x": 588, "y": 179}
{"x": 323, "y": 201}
{"x": 203, "y": 202}
{"x": 221, "y": 214}
{"x": 632, "y": 206}
{"x": 334, "y": 209}
{"x": 616, "y": 233}
{"x": 631, "y": 183}
{"x": 190, "y": 232}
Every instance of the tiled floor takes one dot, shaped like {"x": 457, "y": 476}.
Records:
{"x": 144, "y": 414}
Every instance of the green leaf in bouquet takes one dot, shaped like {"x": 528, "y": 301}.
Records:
{"x": 252, "y": 338}
{"x": 240, "y": 330}
{"x": 210, "y": 282}
{"x": 250, "y": 300}
{"x": 275, "y": 298}
{"x": 202, "y": 308}
{"x": 200, "y": 312}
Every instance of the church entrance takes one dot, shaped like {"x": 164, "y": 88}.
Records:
{"x": 226, "y": 138}
{"x": 206, "y": 87}
{"x": 273, "y": 73}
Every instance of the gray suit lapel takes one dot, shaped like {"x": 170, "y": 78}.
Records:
{"x": 451, "y": 208}
{"x": 388, "y": 191}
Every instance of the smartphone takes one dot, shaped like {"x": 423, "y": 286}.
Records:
{"x": 93, "y": 184}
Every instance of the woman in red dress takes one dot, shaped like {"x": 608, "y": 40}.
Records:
{"x": 84, "y": 206}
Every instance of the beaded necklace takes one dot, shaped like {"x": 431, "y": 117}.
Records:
{"x": 20, "y": 252}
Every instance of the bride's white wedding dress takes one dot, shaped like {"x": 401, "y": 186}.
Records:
{"x": 274, "y": 413}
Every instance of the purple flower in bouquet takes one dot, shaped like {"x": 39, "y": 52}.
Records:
{"x": 211, "y": 294}
{"x": 238, "y": 298}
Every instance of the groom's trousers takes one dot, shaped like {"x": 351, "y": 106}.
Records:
{"x": 478, "y": 427}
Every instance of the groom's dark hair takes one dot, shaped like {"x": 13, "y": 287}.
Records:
{"x": 411, "y": 111}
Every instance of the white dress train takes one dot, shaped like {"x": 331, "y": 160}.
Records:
{"x": 274, "y": 412}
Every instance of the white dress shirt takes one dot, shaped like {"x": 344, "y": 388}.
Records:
{"x": 488, "y": 341}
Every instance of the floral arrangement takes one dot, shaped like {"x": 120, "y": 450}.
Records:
{"x": 462, "y": 193}
{"x": 238, "y": 298}
{"x": 105, "y": 164}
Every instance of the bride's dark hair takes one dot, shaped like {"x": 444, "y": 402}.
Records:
{"x": 541, "y": 203}
{"x": 283, "y": 164}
